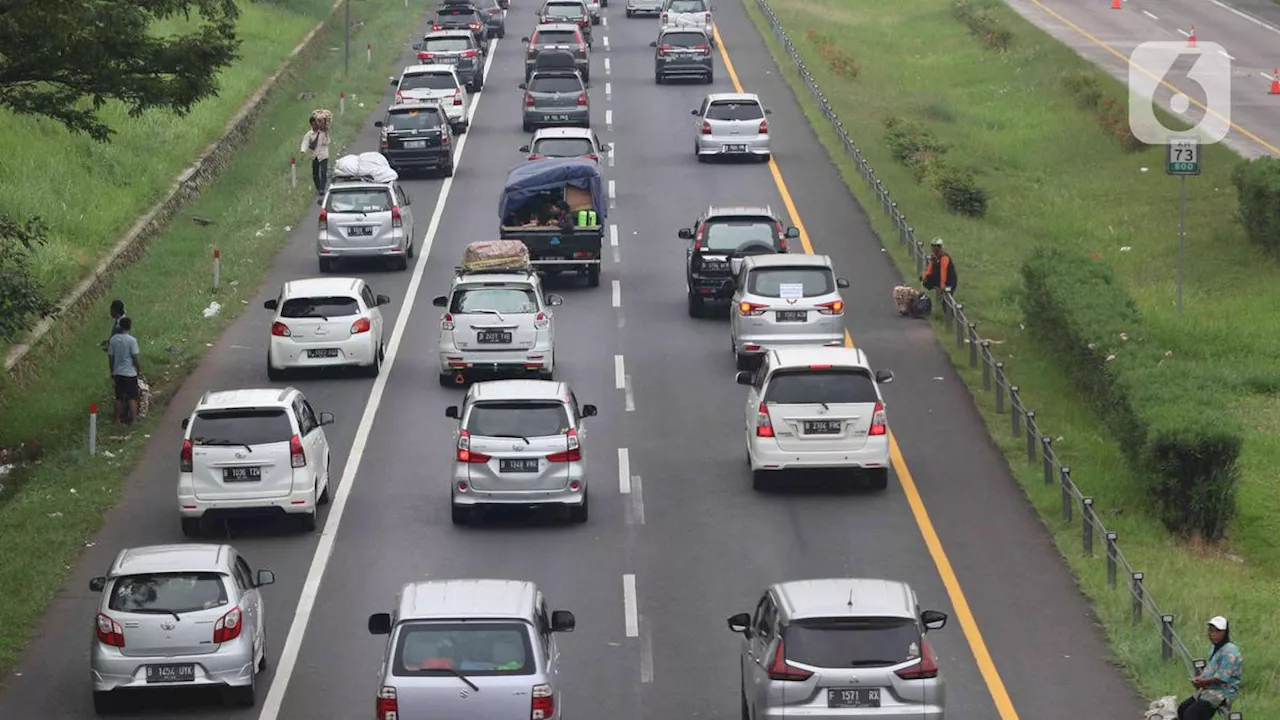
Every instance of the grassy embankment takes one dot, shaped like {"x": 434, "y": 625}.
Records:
{"x": 50, "y": 509}
{"x": 1055, "y": 175}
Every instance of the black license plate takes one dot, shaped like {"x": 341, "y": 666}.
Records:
{"x": 853, "y": 698}
{"x": 558, "y": 118}
{"x": 822, "y": 427}
{"x": 237, "y": 474}
{"x": 323, "y": 353}
{"x": 735, "y": 148}
{"x": 171, "y": 673}
{"x": 359, "y": 231}
{"x": 792, "y": 315}
{"x": 447, "y": 60}
{"x": 521, "y": 465}
{"x": 493, "y": 336}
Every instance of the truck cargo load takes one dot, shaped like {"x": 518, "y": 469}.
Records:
{"x": 495, "y": 256}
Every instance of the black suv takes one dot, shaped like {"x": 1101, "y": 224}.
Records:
{"x": 416, "y": 136}
{"x": 720, "y": 236}
{"x": 464, "y": 17}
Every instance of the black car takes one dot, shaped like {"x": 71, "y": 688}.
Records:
{"x": 682, "y": 53}
{"x": 416, "y": 136}
{"x": 719, "y": 237}
{"x": 464, "y": 17}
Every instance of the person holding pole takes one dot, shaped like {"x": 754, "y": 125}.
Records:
{"x": 316, "y": 143}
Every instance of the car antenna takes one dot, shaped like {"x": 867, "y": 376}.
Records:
{"x": 850, "y": 603}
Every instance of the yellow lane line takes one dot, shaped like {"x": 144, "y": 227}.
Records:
{"x": 949, "y": 580}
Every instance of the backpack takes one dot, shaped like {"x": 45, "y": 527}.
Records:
{"x": 922, "y": 306}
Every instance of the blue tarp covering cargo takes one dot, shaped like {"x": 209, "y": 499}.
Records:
{"x": 525, "y": 182}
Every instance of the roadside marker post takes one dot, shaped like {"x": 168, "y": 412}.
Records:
{"x": 293, "y": 171}
{"x": 368, "y": 53}
{"x": 93, "y": 429}
{"x": 217, "y": 269}
{"x": 1183, "y": 160}
{"x": 342, "y": 103}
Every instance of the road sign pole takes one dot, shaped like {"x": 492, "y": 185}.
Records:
{"x": 1182, "y": 237}
{"x": 1183, "y": 160}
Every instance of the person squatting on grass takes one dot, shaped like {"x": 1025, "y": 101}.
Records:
{"x": 1219, "y": 681}
{"x": 122, "y": 359}
{"x": 940, "y": 273}
{"x": 316, "y": 143}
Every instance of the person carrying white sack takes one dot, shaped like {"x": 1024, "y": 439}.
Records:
{"x": 316, "y": 143}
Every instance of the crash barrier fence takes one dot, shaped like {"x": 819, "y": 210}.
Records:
{"x": 1008, "y": 397}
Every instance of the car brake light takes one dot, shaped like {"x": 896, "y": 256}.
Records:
{"x": 464, "y": 450}
{"x": 388, "y": 707}
{"x": 537, "y": 157}
{"x": 446, "y": 322}
{"x": 396, "y": 219}
{"x": 435, "y": 27}
{"x": 457, "y": 97}
{"x": 361, "y": 326}
{"x": 184, "y": 458}
{"x": 324, "y": 220}
{"x": 528, "y": 100}
{"x": 228, "y": 626}
{"x": 782, "y": 237}
{"x": 835, "y": 307}
{"x": 925, "y": 668}
{"x": 542, "y": 706}
{"x": 706, "y": 128}
{"x": 469, "y": 53}
{"x": 475, "y": 26}
{"x": 444, "y": 138}
{"x": 110, "y": 632}
{"x": 879, "y": 423}
{"x": 779, "y": 669}
{"x": 750, "y": 309}
{"x": 706, "y": 18}
{"x": 764, "y": 426}
{"x": 279, "y": 329}
{"x": 665, "y": 48}
{"x": 582, "y": 99}
{"x": 573, "y": 453}
{"x": 425, "y": 56}
{"x": 297, "y": 458}
{"x": 764, "y": 127}
{"x": 541, "y": 321}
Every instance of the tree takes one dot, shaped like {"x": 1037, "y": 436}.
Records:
{"x": 21, "y": 299}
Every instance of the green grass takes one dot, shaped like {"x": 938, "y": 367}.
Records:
{"x": 1055, "y": 177}
{"x": 90, "y": 193}
{"x": 51, "y": 508}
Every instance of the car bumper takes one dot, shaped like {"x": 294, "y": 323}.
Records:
{"x": 229, "y": 666}
{"x": 297, "y": 502}
{"x": 683, "y": 69}
{"x": 494, "y": 362}
{"x": 712, "y": 287}
{"x": 765, "y": 455}
{"x": 566, "y": 496}
{"x": 719, "y": 145}
{"x": 437, "y": 158}
{"x": 644, "y": 9}
{"x": 284, "y": 353}
{"x": 759, "y": 344}
{"x": 896, "y": 712}
{"x": 558, "y": 117}
{"x": 457, "y": 114}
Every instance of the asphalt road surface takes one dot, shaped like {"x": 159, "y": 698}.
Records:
{"x": 674, "y": 516}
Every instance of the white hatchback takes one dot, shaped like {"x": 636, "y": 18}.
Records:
{"x": 253, "y": 452}
{"x": 325, "y": 322}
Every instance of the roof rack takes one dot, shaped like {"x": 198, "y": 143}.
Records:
{"x": 459, "y": 270}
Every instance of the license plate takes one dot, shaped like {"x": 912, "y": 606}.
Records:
{"x": 523, "y": 465}
{"x": 171, "y": 673}
{"x": 414, "y": 144}
{"x": 735, "y": 148}
{"x": 853, "y": 698}
{"x": 323, "y": 353}
{"x": 446, "y": 60}
{"x": 822, "y": 427}
{"x": 493, "y": 336}
{"x": 359, "y": 231}
{"x": 559, "y": 118}
{"x": 238, "y": 474}
{"x": 792, "y": 315}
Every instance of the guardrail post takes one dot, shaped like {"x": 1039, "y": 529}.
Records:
{"x": 957, "y": 320}
{"x": 919, "y": 254}
{"x": 973, "y": 345}
{"x": 1066, "y": 493}
{"x": 1111, "y": 559}
{"x": 1015, "y": 410}
{"x": 1086, "y": 514}
{"x": 1235, "y": 715}
{"x": 1031, "y": 435}
{"x": 986, "y": 366}
{"x": 1166, "y": 637}
{"x": 1046, "y": 457}
{"x": 1138, "y": 592}
{"x": 1000, "y": 381}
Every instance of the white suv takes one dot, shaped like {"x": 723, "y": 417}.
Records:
{"x": 497, "y": 324}
{"x": 326, "y": 322}
{"x": 253, "y": 452}
{"x": 816, "y": 408}
{"x": 435, "y": 82}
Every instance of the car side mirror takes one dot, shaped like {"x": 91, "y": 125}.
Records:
{"x": 380, "y": 624}
{"x": 693, "y": 112}
{"x": 842, "y": 283}
{"x": 768, "y": 111}
{"x": 523, "y": 86}
{"x": 653, "y": 44}
{"x": 185, "y": 423}
{"x": 884, "y": 377}
{"x": 933, "y": 620}
{"x": 589, "y": 410}
{"x": 524, "y": 40}
{"x": 741, "y": 623}
{"x": 554, "y": 300}
{"x": 393, "y": 81}
{"x": 524, "y": 148}
{"x": 97, "y": 584}
{"x": 744, "y": 377}
{"x": 417, "y": 46}
{"x": 793, "y": 232}
{"x": 383, "y": 300}
{"x": 440, "y": 301}
{"x": 270, "y": 304}
{"x": 563, "y": 621}
{"x": 685, "y": 233}
{"x": 265, "y": 578}
{"x": 377, "y": 123}
{"x": 326, "y": 418}
{"x": 451, "y": 412}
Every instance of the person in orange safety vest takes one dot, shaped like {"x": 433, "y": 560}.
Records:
{"x": 940, "y": 272}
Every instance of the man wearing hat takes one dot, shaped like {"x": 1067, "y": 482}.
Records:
{"x": 1219, "y": 681}
{"x": 940, "y": 273}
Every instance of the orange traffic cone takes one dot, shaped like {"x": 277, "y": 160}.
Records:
{"x": 1275, "y": 82}
{"x": 1115, "y": 5}
{"x": 1191, "y": 39}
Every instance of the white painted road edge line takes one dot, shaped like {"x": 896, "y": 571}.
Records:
{"x": 606, "y": 42}
{"x": 1225, "y": 54}
{"x": 324, "y": 548}
{"x": 617, "y": 293}
{"x": 607, "y": 70}
{"x": 613, "y": 232}
{"x": 608, "y": 90}
{"x": 613, "y": 195}
{"x": 629, "y": 614}
{"x": 608, "y": 125}
{"x": 1247, "y": 16}
{"x": 624, "y": 471}
{"x": 619, "y": 373}
{"x": 1153, "y": 17}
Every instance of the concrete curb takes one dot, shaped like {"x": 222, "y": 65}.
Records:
{"x": 187, "y": 185}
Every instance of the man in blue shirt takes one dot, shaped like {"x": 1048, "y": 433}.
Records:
{"x": 1219, "y": 682}
{"x": 122, "y": 359}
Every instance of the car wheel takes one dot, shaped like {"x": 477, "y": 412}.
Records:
{"x": 745, "y": 362}
{"x": 760, "y": 480}
{"x": 375, "y": 368}
{"x": 409, "y": 251}
{"x": 328, "y": 478}
{"x": 746, "y": 712}
{"x": 878, "y": 478}
{"x": 401, "y": 263}
{"x": 630, "y": 14}
{"x": 191, "y": 527}
{"x": 593, "y": 276}
{"x": 448, "y": 171}
{"x": 765, "y": 157}
{"x": 246, "y": 696}
{"x": 695, "y": 306}
{"x": 711, "y": 77}
{"x": 274, "y": 374}
{"x": 104, "y": 703}
{"x": 446, "y": 380}
{"x": 326, "y": 264}
{"x": 578, "y": 513}
{"x": 308, "y": 521}
{"x": 586, "y": 79}
{"x": 527, "y": 127}
{"x": 460, "y": 515}
{"x": 657, "y": 78}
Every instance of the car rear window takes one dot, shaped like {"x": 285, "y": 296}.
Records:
{"x": 457, "y": 14}
{"x": 555, "y": 84}
{"x": 723, "y": 110}
{"x": 813, "y": 387}
{"x": 517, "y": 419}
{"x": 844, "y": 643}
{"x": 165, "y": 593}
{"x": 499, "y": 299}
{"x": 687, "y": 6}
{"x": 563, "y": 147}
{"x": 359, "y": 200}
{"x": 421, "y": 119}
{"x": 555, "y": 37}
{"x": 727, "y": 236}
{"x": 469, "y": 648}
{"x": 776, "y": 282}
{"x": 565, "y": 10}
{"x": 241, "y": 427}
{"x": 320, "y": 307}
{"x": 684, "y": 39}
{"x": 446, "y": 45}
{"x": 428, "y": 81}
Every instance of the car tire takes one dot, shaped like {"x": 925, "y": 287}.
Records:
{"x": 593, "y": 276}
{"x": 375, "y": 368}
{"x": 761, "y": 481}
{"x": 502, "y": 31}
{"x": 578, "y": 513}
{"x": 460, "y": 515}
{"x": 190, "y": 527}
{"x": 526, "y": 126}
{"x": 657, "y": 78}
{"x": 630, "y": 14}
{"x": 401, "y": 263}
{"x": 447, "y": 171}
{"x": 742, "y": 693}
{"x": 104, "y": 703}
{"x": 745, "y": 362}
{"x": 325, "y": 495}
{"x": 765, "y": 157}
{"x": 878, "y": 478}
{"x": 326, "y": 265}
{"x": 586, "y": 79}
{"x": 275, "y": 374}
{"x": 711, "y": 78}
{"x": 246, "y": 696}
{"x": 411, "y": 250}
{"x": 446, "y": 380}
{"x": 308, "y": 521}
{"x": 696, "y": 306}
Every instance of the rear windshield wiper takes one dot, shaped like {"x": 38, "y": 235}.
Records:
{"x": 226, "y": 443}
{"x": 872, "y": 663}
{"x": 459, "y": 675}
{"x": 157, "y": 611}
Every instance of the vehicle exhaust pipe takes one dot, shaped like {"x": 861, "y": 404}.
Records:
{"x": 458, "y": 379}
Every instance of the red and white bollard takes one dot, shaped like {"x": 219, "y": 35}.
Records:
{"x": 342, "y": 103}
{"x": 293, "y": 171}
{"x": 93, "y": 429}
{"x": 368, "y": 53}
{"x": 217, "y": 268}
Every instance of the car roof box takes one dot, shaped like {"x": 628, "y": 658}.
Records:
{"x": 495, "y": 256}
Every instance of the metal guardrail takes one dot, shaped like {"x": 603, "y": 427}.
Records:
{"x": 1008, "y": 397}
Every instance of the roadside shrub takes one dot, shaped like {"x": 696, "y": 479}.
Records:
{"x": 834, "y": 55}
{"x": 1114, "y": 118}
{"x": 916, "y": 149}
{"x": 982, "y": 24}
{"x": 959, "y": 191}
{"x": 1165, "y": 415}
{"x": 1258, "y": 187}
{"x": 907, "y": 138}
{"x": 1084, "y": 87}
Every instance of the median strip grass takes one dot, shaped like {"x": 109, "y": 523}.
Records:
{"x": 51, "y": 506}
{"x": 1059, "y": 175}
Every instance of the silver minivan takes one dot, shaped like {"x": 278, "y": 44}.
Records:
{"x": 362, "y": 219}
{"x": 782, "y": 300}
{"x": 519, "y": 444}
{"x": 482, "y": 649}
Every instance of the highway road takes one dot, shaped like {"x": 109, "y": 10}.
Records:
{"x": 1248, "y": 32}
{"x": 677, "y": 539}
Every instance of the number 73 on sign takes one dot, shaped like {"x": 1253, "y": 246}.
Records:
{"x": 1184, "y": 156}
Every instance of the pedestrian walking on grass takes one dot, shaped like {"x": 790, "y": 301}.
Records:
{"x": 1219, "y": 681}
{"x": 122, "y": 358}
{"x": 117, "y": 314}
{"x": 316, "y": 144}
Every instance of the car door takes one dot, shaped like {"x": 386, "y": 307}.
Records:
{"x": 406, "y": 212}
{"x": 373, "y": 311}
{"x": 547, "y": 642}
{"x": 312, "y": 438}
{"x": 251, "y": 602}
{"x": 754, "y": 392}
{"x": 739, "y": 291}
{"x": 764, "y": 629}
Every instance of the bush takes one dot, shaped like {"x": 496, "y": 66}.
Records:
{"x": 1258, "y": 187}
{"x": 907, "y": 139}
{"x": 983, "y": 24}
{"x": 916, "y": 149}
{"x": 1084, "y": 86}
{"x": 959, "y": 191}
{"x": 835, "y": 56}
{"x": 1164, "y": 413}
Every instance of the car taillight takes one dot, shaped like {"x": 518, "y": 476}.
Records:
{"x": 446, "y": 322}
{"x": 361, "y": 326}
{"x": 702, "y": 48}
{"x": 444, "y": 138}
{"x": 528, "y": 100}
{"x": 541, "y": 321}
{"x": 926, "y": 668}
{"x": 383, "y": 143}
{"x": 582, "y": 99}
{"x": 537, "y": 157}
{"x": 879, "y": 422}
{"x": 573, "y": 453}
{"x": 542, "y": 706}
{"x": 228, "y": 626}
{"x": 297, "y": 458}
{"x": 464, "y": 450}
{"x": 184, "y": 458}
{"x": 435, "y": 27}
{"x": 764, "y": 127}
{"x": 750, "y": 309}
{"x": 279, "y": 329}
{"x": 425, "y": 56}
{"x": 470, "y": 53}
{"x": 706, "y": 128}
{"x": 782, "y": 237}
{"x": 764, "y": 426}
{"x": 109, "y": 631}
{"x": 396, "y": 219}
{"x": 779, "y": 669}
{"x": 835, "y": 307}
{"x": 584, "y": 22}
{"x": 475, "y": 26}
{"x": 324, "y": 220}
{"x": 457, "y": 97}
{"x": 388, "y": 707}
{"x": 663, "y": 49}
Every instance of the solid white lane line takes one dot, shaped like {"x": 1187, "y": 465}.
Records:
{"x": 617, "y": 293}
{"x": 1247, "y": 16}
{"x": 624, "y": 471}
{"x": 619, "y": 373}
{"x": 1153, "y": 17}
{"x": 613, "y": 195}
{"x": 607, "y": 69}
{"x": 324, "y": 548}
{"x": 613, "y": 232}
{"x": 608, "y": 122}
{"x": 630, "y": 396}
{"x": 629, "y": 614}
{"x": 608, "y": 91}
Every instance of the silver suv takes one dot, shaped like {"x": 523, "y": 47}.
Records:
{"x": 782, "y": 300}
{"x": 519, "y": 443}
{"x": 364, "y": 219}
{"x": 840, "y": 649}
{"x": 470, "y": 649}
{"x": 497, "y": 323}
{"x": 178, "y": 616}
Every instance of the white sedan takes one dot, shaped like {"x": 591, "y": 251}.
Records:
{"x": 326, "y": 322}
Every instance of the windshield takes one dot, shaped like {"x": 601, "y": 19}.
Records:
{"x": 446, "y": 45}
{"x": 320, "y": 307}
{"x": 563, "y": 147}
{"x": 359, "y": 200}
{"x": 734, "y": 111}
{"x": 428, "y": 81}
{"x": 556, "y": 37}
{"x": 791, "y": 282}
{"x": 515, "y": 300}
{"x": 469, "y": 648}
{"x": 686, "y": 6}
{"x": 684, "y": 39}
{"x": 564, "y": 10}
{"x": 729, "y": 236}
{"x": 177, "y": 592}
{"x": 526, "y": 419}
{"x": 844, "y": 643}
{"x": 412, "y": 120}
{"x": 241, "y": 427}
{"x": 815, "y": 387}
{"x": 555, "y": 84}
